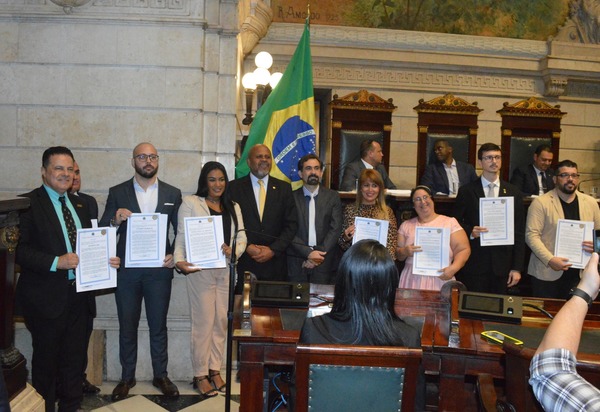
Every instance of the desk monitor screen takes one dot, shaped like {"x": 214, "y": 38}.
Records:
{"x": 499, "y": 308}
{"x": 280, "y": 294}
{"x": 269, "y": 290}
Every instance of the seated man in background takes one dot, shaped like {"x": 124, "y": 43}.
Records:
{"x": 555, "y": 381}
{"x": 447, "y": 174}
{"x": 535, "y": 179}
{"x": 371, "y": 156}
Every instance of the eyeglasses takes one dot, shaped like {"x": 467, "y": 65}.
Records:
{"x": 490, "y": 158}
{"x": 145, "y": 157}
{"x": 567, "y": 175}
{"x": 421, "y": 199}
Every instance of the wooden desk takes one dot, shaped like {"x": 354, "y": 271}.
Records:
{"x": 446, "y": 355}
{"x": 450, "y": 355}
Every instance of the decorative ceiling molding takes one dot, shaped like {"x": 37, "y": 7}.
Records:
{"x": 255, "y": 25}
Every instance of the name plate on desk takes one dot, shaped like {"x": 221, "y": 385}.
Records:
{"x": 280, "y": 294}
{"x": 488, "y": 306}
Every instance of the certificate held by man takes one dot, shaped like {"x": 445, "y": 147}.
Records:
{"x": 203, "y": 240}
{"x": 570, "y": 235}
{"x": 146, "y": 240}
{"x": 497, "y": 215}
{"x": 94, "y": 248}
{"x": 366, "y": 228}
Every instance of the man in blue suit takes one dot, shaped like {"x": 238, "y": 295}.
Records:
{"x": 536, "y": 178}
{"x": 371, "y": 156}
{"x": 143, "y": 194}
{"x": 447, "y": 174}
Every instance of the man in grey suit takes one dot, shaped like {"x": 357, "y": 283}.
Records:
{"x": 313, "y": 252}
{"x": 371, "y": 156}
{"x": 143, "y": 194}
{"x": 447, "y": 174}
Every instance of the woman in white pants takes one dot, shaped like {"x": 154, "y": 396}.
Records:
{"x": 208, "y": 289}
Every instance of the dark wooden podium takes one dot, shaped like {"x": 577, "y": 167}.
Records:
{"x": 13, "y": 362}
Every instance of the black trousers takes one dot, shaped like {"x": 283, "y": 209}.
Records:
{"x": 59, "y": 351}
{"x": 556, "y": 289}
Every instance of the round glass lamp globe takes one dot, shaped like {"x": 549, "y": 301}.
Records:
{"x": 261, "y": 76}
{"x": 263, "y": 60}
{"x": 248, "y": 81}
{"x": 275, "y": 77}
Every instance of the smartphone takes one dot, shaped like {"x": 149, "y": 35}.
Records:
{"x": 597, "y": 241}
{"x": 493, "y": 336}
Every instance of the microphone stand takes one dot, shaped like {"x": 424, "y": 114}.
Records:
{"x": 229, "y": 361}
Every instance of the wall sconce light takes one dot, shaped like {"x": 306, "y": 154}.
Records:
{"x": 68, "y": 5}
{"x": 260, "y": 81}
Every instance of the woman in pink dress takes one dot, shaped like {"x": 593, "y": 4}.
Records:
{"x": 460, "y": 250}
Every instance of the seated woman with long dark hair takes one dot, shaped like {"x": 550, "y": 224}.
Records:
{"x": 363, "y": 306}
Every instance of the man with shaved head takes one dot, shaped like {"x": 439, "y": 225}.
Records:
{"x": 143, "y": 194}
{"x": 269, "y": 213}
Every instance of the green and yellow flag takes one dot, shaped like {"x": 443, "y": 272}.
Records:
{"x": 285, "y": 122}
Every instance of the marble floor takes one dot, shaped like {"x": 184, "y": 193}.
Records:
{"x": 146, "y": 398}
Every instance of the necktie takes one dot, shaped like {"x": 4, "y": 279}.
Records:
{"x": 312, "y": 232}
{"x": 490, "y": 192}
{"x": 262, "y": 195}
{"x": 544, "y": 185}
{"x": 69, "y": 222}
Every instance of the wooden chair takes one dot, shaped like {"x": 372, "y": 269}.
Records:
{"x": 356, "y": 378}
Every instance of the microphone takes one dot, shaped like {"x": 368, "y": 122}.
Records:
{"x": 592, "y": 193}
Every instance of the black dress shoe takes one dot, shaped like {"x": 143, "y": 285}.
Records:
{"x": 167, "y": 387}
{"x": 122, "y": 390}
{"x": 89, "y": 388}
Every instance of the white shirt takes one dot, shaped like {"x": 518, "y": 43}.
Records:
{"x": 486, "y": 183}
{"x": 539, "y": 179}
{"x": 147, "y": 199}
{"x": 452, "y": 173}
{"x": 367, "y": 164}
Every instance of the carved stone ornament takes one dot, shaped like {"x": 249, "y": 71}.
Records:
{"x": 583, "y": 24}
{"x": 363, "y": 100}
{"x": 447, "y": 103}
{"x": 255, "y": 25}
{"x": 68, "y": 5}
{"x": 555, "y": 86}
{"x": 9, "y": 236}
{"x": 531, "y": 107}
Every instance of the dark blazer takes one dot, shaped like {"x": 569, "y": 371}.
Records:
{"x": 490, "y": 260}
{"x": 353, "y": 170}
{"x": 91, "y": 203}
{"x": 40, "y": 292}
{"x": 436, "y": 179}
{"x": 525, "y": 178}
{"x": 328, "y": 225}
{"x": 277, "y": 229}
{"x": 123, "y": 196}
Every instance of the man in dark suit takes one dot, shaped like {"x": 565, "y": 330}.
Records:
{"x": 270, "y": 230}
{"x": 447, "y": 174}
{"x": 371, "y": 157}
{"x": 313, "y": 252}
{"x": 143, "y": 194}
{"x": 55, "y": 314}
{"x": 536, "y": 178}
{"x": 490, "y": 269}
{"x": 92, "y": 206}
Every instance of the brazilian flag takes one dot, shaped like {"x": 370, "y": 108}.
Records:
{"x": 285, "y": 122}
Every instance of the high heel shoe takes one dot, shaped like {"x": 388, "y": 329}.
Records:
{"x": 196, "y": 385}
{"x": 212, "y": 374}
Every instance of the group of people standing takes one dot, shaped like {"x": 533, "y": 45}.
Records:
{"x": 279, "y": 234}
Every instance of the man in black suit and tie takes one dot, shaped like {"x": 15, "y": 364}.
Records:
{"x": 92, "y": 206}
{"x": 447, "y": 174}
{"x": 490, "y": 269}
{"x": 371, "y": 156}
{"x": 55, "y": 314}
{"x": 270, "y": 219}
{"x": 143, "y": 194}
{"x": 313, "y": 252}
{"x": 535, "y": 179}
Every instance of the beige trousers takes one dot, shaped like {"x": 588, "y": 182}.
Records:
{"x": 208, "y": 292}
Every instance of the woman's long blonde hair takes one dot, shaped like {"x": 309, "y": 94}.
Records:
{"x": 374, "y": 176}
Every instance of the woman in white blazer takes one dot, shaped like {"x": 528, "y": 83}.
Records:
{"x": 208, "y": 289}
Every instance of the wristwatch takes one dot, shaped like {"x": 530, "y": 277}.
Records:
{"x": 582, "y": 294}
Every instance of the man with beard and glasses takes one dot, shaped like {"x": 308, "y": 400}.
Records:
{"x": 552, "y": 276}
{"x": 143, "y": 194}
{"x": 269, "y": 213}
{"x": 312, "y": 254}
